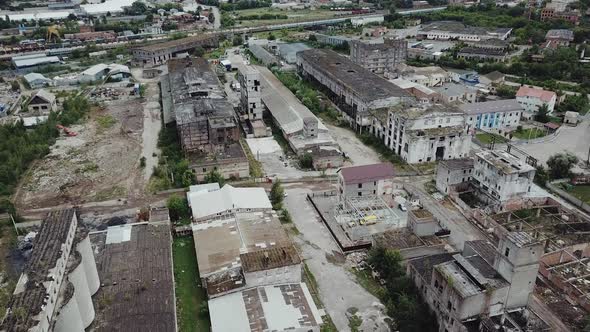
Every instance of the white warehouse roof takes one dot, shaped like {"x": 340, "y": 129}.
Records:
{"x": 112, "y": 6}
{"x": 257, "y": 307}
{"x": 204, "y": 204}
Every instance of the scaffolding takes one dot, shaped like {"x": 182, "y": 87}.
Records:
{"x": 363, "y": 216}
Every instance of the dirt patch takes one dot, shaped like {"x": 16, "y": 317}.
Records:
{"x": 336, "y": 258}
{"x": 101, "y": 162}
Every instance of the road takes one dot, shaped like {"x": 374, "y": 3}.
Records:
{"x": 338, "y": 288}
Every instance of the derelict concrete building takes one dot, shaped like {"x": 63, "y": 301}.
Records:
{"x": 161, "y": 53}
{"x": 54, "y": 292}
{"x": 354, "y": 89}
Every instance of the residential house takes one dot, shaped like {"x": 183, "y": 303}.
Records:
{"x": 43, "y": 102}
{"x": 531, "y": 99}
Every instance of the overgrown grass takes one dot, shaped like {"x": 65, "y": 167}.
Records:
{"x": 487, "y": 138}
{"x": 191, "y": 299}
{"x": 105, "y": 121}
{"x": 529, "y": 133}
{"x": 255, "y": 166}
{"x": 110, "y": 193}
{"x": 384, "y": 152}
{"x": 366, "y": 280}
{"x": 581, "y": 192}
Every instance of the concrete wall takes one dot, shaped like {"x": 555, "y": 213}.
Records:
{"x": 422, "y": 226}
{"x": 82, "y": 294}
{"x": 284, "y": 275}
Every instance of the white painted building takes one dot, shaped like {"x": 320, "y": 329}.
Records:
{"x": 54, "y": 292}
{"x": 531, "y": 99}
{"x": 497, "y": 114}
{"x": 360, "y": 21}
{"x": 227, "y": 200}
{"x": 502, "y": 175}
{"x": 424, "y": 133}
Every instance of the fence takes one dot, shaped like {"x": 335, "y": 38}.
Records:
{"x": 553, "y": 187}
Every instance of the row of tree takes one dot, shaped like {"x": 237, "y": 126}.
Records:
{"x": 19, "y": 147}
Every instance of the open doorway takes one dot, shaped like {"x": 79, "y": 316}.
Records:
{"x": 440, "y": 153}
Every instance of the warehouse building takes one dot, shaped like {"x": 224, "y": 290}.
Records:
{"x": 354, "y": 89}
{"x": 379, "y": 58}
{"x": 32, "y": 62}
{"x": 452, "y": 30}
{"x": 424, "y": 133}
{"x": 160, "y": 53}
{"x": 135, "y": 266}
{"x": 56, "y": 287}
{"x": 304, "y": 132}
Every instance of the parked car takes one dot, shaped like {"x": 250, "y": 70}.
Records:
{"x": 402, "y": 207}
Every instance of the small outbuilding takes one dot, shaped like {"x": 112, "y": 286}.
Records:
{"x": 43, "y": 101}
{"x": 571, "y": 118}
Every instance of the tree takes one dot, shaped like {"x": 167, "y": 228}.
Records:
{"x": 178, "y": 207}
{"x": 14, "y": 85}
{"x": 312, "y": 38}
{"x": 213, "y": 177}
{"x": 561, "y": 164}
{"x": 211, "y": 18}
{"x": 306, "y": 160}
{"x": 238, "y": 40}
{"x": 271, "y": 36}
{"x": 541, "y": 176}
{"x": 277, "y": 194}
{"x": 542, "y": 114}
{"x": 199, "y": 51}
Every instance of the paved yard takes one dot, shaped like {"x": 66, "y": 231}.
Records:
{"x": 337, "y": 286}
{"x": 573, "y": 139}
{"x": 359, "y": 153}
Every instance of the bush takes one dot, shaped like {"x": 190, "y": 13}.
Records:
{"x": 306, "y": 161}
{"x": 178, "y": 207}
{"x": 277, "y": 193}
{"x": 142, "y": 162}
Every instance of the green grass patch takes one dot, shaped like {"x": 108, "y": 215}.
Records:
{"x": 581, "y": 192}
{"x": 366, "y": 280}
{"x": 255, "y": 166}
{"x": 110, "y": 193}
{"x": 105, "y": 121}
{"x": 487, "y": 138}
{"x": 191, "y": 298}
{"x": 529, "y": 133}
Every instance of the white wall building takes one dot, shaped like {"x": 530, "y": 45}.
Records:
{"x": 497, "y": 114}
{"x": 227, "y": 200}
{"x": 55, "y": 290}
{"x": 502, "y": 175}
{"x": 425, "y": 133}
{"x": 532, "y": 98}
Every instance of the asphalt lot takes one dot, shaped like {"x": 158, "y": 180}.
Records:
{"x": 337, "y": 286}
{"x": 573, "y": 139}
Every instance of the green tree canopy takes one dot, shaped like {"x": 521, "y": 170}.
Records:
{"x": 560, "y": 164}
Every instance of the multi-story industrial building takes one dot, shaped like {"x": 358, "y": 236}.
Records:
{"x": 54, "y": 292}
{"x": 251, "y": 107}
{"x": 501, "y": 175}
{"x": 354, "y": 89}
{"x": 482, "y": 282}
{"x": 424, "y": 133}
{"x": 365, "y": 180}
{"x": 160, "y": 53}
{"x": 205, "y": 120}
{"x": 453, "y": 174}
{"x": 379, "y": 58}
{"x": 497, "y": 114}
